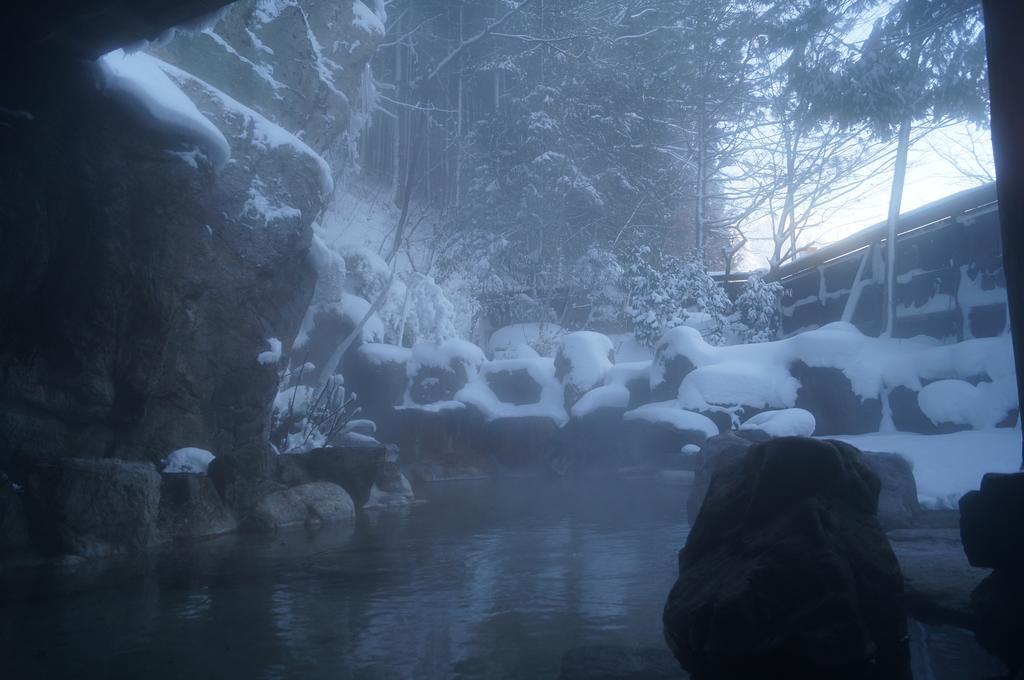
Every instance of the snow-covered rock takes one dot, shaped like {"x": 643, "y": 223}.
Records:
{"x": 541, "y": 373}
{"x": 958, "y": 402}
{"x": 437, "y": 372}
{"x": 581, "y": 362}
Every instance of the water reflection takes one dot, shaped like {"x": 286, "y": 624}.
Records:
{"x": 484, "y": 580}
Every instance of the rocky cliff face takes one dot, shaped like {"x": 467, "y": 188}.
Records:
{"x": 140, "y": 274}
{"x": 301, "y": 64}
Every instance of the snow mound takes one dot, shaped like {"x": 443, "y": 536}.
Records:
{"x": 961, "y": 403}
{"x": 189, "y": 459}
{"x": 588, "y": 356}
{"x": 139, "y": 76}
{"x": 738, "y": 383}
{"x": 946, "y": 466}
{"x": 670, "y": 413}
{"x": 607, "y": 396}
{"x": 271, "y": 356}
{"x": 790, "y": 422}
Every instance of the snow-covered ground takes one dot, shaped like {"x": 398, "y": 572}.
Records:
{"x": 946, "y": 466}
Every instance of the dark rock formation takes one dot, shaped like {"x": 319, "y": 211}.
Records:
{"x": 513, "y": 386}
{"x": 990, "y": 526}
{"x": 85, "y": 29}
{"x": 716, "y": 452}
{"x": 240, "y": 484}
{"x": 898, "y": 507}
{"x": 354, "y": 468}
{"x": 828, "y": 394}
{"x": 92, "y": 507}
{"x": 937, "y": 578}
{"x": 431, "y": 384}
{"x": 592, "y": 441}
{"x": 139, "y": 276}
{"x": 191, "y": 507}
{"x": 656, "y": 444}
{"x": 145, "y": 291}
{"x": 306, "y": 505}
{"x": 991, "y": 522}
{"x": 674, "y": 368}
{"x": 442, "y": 444}
{"x": 907, "y": 415}
{"x": 379, "y": 385}
{"x": 15, "y": 537}
{"x": 521, "y": 443}
{"x": 639, "y": 392}
{"x": 786, "y": 572}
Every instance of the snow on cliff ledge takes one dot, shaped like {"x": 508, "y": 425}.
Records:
{"x": 139, "y": 76}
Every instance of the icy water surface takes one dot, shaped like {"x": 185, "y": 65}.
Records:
{"x": 493, "y": 579}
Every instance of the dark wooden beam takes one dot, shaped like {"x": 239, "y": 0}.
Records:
{"x": 1004, "y": 28}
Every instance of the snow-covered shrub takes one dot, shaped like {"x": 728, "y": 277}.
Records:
{"x": 306, "y": 417}
{"x": 664, "y": 291}
{"x": 597, "y": 275}
{"x": 428, "y": 314}
{"x": 757, "y": 309}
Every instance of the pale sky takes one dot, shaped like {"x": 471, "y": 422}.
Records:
{"x": 931, "y": 175}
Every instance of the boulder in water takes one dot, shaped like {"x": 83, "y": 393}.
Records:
{"x": 787, "y": 573}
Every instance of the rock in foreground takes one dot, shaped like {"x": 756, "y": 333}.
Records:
{"x": 787, "y": 573}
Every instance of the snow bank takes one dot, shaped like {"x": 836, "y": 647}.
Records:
{"x": 946, "y": 466}
{"x": 790, "y": 422}
{"x": 607, "y": 396}
{"x": 189, "y": 459}
{"x": 550, "y": 404}
{"x": 271, "y": 356}
{"x": 588, "y": 356}
{"x": 139, "y": 76}
{"x": 757, "y": 374}
{"x": 265, "y": 134}
{"x": 669, "y": 412}
{"x": 542, "y": 337}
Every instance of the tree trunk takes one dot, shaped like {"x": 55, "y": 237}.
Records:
{"x": 899, "y": 177}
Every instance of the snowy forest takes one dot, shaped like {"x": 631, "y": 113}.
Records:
{"x": 588, "y": 163}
